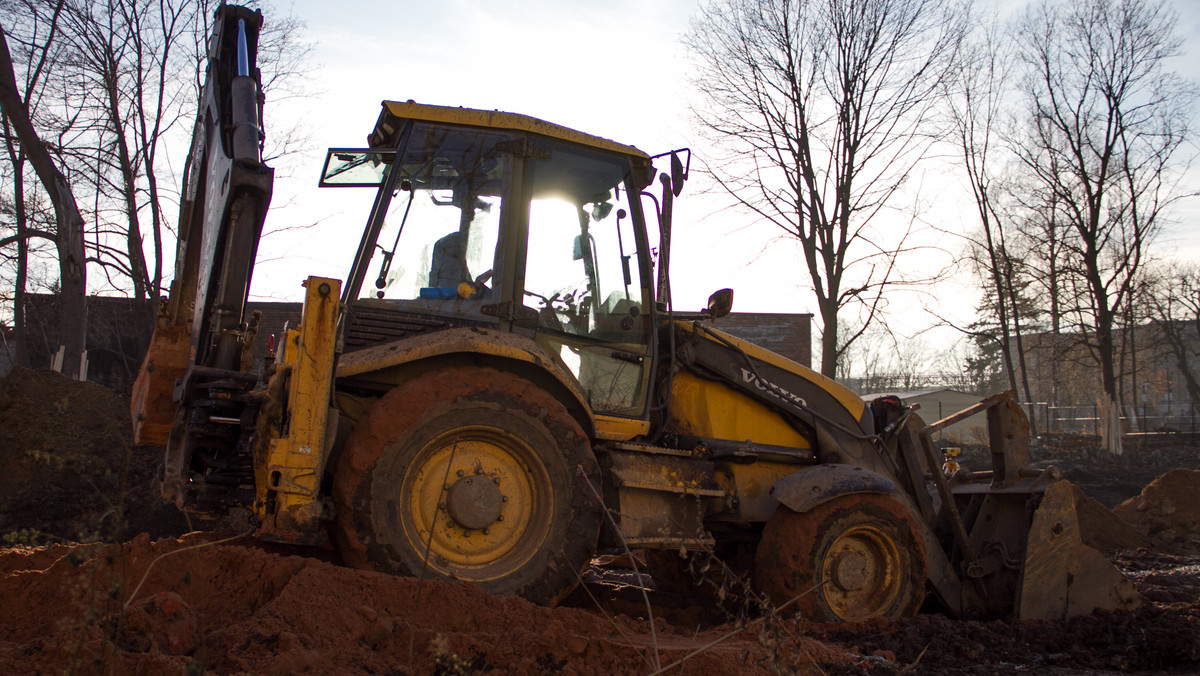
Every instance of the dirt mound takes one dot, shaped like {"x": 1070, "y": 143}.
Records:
{"x": 1109, "y": 478}
{"x": 1150, "y": 639}
{"x": 200, "y": 605}
{"x": 67, "y": 469}
{"x": 1168, "y": 511}
{"x": 170, "y": 607}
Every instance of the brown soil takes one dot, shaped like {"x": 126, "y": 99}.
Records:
{"x": 176, "y": 606}
{"x": 67, "y": 469}
{"x": 162, "y": 603}
{"x": 1112, "y": 479}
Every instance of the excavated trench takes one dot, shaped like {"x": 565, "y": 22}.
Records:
{"x": 97, "y": 575}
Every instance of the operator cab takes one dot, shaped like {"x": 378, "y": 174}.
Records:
{"x": 504, "y": 221}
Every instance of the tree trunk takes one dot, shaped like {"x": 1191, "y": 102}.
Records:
{"x": 72, "y": 324}
{"x": 18, "y": 355}
{"x": 1110, "y": 426}
{"x": 829, "y": 339}
{"x": 133, "y": 235}
{"x": 21, "y": 358}
{"x": 1110, "y": 410}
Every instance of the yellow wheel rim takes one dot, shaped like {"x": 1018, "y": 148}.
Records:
{"x": 498, "y": 489}
{"x": 861, "y": 571}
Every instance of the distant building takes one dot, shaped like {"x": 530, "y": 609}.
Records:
{"x": 1064, "y": 380}
{"x": 787, "y": 334}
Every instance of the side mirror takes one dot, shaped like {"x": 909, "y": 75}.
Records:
{"x": 720, "y": 303}
{"x": 601, "y": 210}
{"x": 678, "y": 174}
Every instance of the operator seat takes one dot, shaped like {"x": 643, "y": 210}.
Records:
{"x": 448, "y": 267}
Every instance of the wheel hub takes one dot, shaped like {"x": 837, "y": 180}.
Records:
{"x": 476, "y": 497}
{"x": 474, "y": 502}
{"x": 850, "y": 571}
{"x": 861, "y": 569}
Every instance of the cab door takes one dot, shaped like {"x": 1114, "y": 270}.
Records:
{"x": 585, "y": 274}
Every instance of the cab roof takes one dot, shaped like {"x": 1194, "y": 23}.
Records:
{"x": 394, "y": 111}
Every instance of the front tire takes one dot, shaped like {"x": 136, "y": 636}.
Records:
{"x": 862, "y": 553}
{"x": 470, "y": 474}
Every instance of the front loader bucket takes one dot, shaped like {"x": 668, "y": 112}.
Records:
{"x": 1016, "y": 540}
{"x": 1063, "y": 577}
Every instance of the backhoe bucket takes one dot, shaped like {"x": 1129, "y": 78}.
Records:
{"x": 152, "y": 405}
{"x": 1016, "y": 540}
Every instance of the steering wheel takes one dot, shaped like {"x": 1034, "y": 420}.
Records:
{"x": 547, "y": 316}
{"x": 546, "y": 302}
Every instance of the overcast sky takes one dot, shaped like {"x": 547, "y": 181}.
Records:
{"x": 614, "y": 69}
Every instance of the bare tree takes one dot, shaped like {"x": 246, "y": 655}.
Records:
{"x": 132, "y": 59}
{"x": 69, "y": 221}
{"x": 123, "y": 77}
{"x": 883, "y": 362}
{"x": 31, "y": 221}
{"x": 1106, "y": 123}
{"x": 818, "y": 111}
{"x": 1040, "y": 233}
{"x": 976, "y": 105}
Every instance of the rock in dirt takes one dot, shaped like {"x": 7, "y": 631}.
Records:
{"x": 1168, "y": 512}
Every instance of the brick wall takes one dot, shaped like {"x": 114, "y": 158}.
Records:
{"x": 788, "y": 334}
{"x": 118, "y": 333}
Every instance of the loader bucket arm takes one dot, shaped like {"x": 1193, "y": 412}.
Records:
{"x": 838, "y": 418}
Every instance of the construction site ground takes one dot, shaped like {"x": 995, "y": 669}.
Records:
{"x": 99, "y": 576}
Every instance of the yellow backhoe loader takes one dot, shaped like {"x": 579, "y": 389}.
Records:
{"x": 501, "y": 385}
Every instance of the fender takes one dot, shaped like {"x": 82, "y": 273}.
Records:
{"x": 471, "y": 340}
{"x": 802, "y": 490}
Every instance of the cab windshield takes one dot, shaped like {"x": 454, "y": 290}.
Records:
{"x": 442, "y": 219}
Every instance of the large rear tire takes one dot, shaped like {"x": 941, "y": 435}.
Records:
{"x": 470, "y": 474}
{"x": 863, "y": 554}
